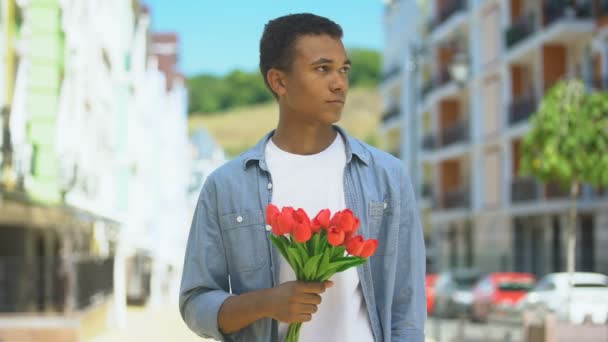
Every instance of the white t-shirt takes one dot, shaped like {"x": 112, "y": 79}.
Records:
{"x": 314, "y": 182}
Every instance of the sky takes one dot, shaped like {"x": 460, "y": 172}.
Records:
{"x": 217, "y": 37}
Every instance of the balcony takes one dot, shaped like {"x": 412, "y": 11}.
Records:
{"x": 521, "y": 109}
{"x": 557, "y": 10}
{"x": 524, "y": 189}
{"x": 554, "y": 190}
{"x": 391, "y": 114}
{"x": 429, "y": 142}
{"x": 427, "y": 190}
{"x": 456, "y": 133}
{"x": 602, "y": 9}
{"x": 522, "y": 28}
{"x": 451, "y": 7}
{"x": 456, "y": 199}
{"x": 600, "y": 83}
{"x": 390, "y": 73}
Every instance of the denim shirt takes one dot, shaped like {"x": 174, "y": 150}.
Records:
{"x": 229, "y": 253}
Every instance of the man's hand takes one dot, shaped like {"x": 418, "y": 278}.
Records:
{"x": 290, "y": 302}
{"x": 295, "y": 301}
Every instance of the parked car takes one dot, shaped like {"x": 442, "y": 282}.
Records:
{"x": 430, "y": 281}
{"x": 586, "y": 298}
{"x": 453, "y": 292}
{"x": 498, "y": 293}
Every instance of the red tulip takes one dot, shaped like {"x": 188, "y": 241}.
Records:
{"x": 355, "y": 245}
{"x": 272, "y": 215}
{"x": 302, "y": 232}
{"x": 286, "y": 221}
{"x": 335, "y": 221}
{"x": 321, "y": 220}
{"x": 345, "y": 221}
{"x": 335, "y": 237}
{"x": 300, "y": 216}
{"x": 369, "y": 247}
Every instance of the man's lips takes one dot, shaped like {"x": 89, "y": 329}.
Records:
{"x": 336, "y": 101}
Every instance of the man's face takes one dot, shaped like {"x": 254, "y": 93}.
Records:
{"x": 317, "y": 83}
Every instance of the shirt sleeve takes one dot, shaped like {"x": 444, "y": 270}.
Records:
{"x": 205, "y": 284}
{"x": 409, "y": 301}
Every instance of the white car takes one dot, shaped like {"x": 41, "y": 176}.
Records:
{"x": 588, "y": 298}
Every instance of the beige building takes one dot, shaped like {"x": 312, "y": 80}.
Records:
{"x": 461, "y": 138}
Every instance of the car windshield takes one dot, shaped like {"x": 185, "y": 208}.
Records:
{"x": 518, "y": 286}
{"x": 465, "y": 283}
{"x": 590, "y": 285}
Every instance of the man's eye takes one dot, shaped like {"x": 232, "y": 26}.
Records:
{"x": 322, "y": 68}
{"x": 345, "y": 70}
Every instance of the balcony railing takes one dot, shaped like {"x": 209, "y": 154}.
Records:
{"x": 444, "y": 77}
{"x": 600, "y": 83}
{"x": 521, "y": 109}
{"x": 429, "y": 142}
{"x": 458, "y": 132}
{"x": 427, "y": 88}
{"x": 94, "y": 279}
{"x": 427, "y": 190}
{"x": 556, "y": 10}
{"x": 394, "y": 71}
{"x": 522, "y": 28}
{"x": 454, "y": 199}
{"x": 555, "y": 191}
{"x": 525, "y": 189}
{"x": 602, "y": 10}
{"x": 451, "y": 7}
{"x": 391, "y": 113}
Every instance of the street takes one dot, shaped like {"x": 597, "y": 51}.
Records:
{"x": 149, "y": 324}
{"x": 452, "y": 330}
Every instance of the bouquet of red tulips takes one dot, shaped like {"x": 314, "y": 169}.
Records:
{"x": 315, "y": 249}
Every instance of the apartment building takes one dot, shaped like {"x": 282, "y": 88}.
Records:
{"x": 466, "y": 91}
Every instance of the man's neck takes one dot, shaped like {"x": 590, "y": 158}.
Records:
{"x": 302, "y": 139}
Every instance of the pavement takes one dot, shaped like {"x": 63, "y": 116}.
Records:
{"x": 151, "y": 324}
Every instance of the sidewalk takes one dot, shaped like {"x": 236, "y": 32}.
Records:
{"x": 144, "y": 324}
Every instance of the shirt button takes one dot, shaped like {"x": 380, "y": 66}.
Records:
{"x": 268, "y": 227}
{"x": 385, "y": 205}
{"x": 269, "y": 186}
{"x": 239, "y": 219}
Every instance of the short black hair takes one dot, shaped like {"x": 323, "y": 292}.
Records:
{"x": 280, "y": 34}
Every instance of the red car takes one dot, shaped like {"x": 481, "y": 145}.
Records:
{"x": 499, "y": 292}
{"x": 430, "y": 292}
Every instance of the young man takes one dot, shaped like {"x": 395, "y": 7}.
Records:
{"x": 235, "y": 285}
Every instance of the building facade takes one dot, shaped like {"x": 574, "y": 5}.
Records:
{"x": 461, "y": 136}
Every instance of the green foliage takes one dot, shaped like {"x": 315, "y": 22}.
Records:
{"x": 209, "y": 94}
{"x": 366, "y": 68}
{"x": 568, "y": 141}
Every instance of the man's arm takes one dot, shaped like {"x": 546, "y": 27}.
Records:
{"x": 409, "y": 301}
{"x": 204, "y": 286}
{"x": 205, "y": 303}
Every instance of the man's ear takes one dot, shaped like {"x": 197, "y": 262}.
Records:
{"x": 277, "y": 81}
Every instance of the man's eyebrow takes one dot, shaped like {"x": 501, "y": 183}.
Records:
{"x": 328, "y": 61}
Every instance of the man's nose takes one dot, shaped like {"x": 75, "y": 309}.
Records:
{"x": 339, "y": 82}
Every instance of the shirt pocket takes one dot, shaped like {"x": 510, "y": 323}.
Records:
{"x": 246, "y": 239}
{"x": 378, "y": 213}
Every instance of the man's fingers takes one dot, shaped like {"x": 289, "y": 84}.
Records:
{"x": 308, "y": 308}
{"x": 312, "y": 287}
{"x": 310, "y": 298}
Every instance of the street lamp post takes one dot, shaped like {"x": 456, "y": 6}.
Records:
{"x": 459, "y": 71}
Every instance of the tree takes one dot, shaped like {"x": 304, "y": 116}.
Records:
{"x": 568, "y": 143}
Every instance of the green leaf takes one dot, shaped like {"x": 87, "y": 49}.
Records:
{"x": 338, "y": 252}
{"x": 324, "y": 264}
{"x": 350, "y": 264}
{"x": 294, "y": 255}
{"x": 279, "y": 244}
{"x": 310, "y": 269}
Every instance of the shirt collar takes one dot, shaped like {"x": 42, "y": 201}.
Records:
{"x": 352, "y": 145}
